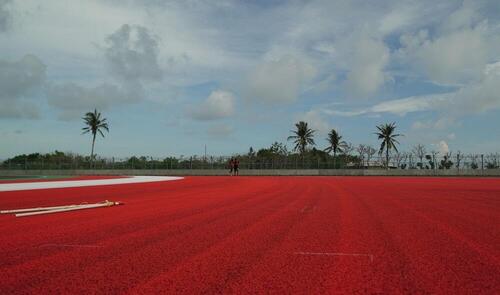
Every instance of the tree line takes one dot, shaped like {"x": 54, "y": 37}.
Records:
{"x": 337, "y": 150}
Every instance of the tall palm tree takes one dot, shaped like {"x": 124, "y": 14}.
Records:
{"x": 302, "y": 137}
{"x": 94, "y": 124}
{"x": 335, "y": 144}
{"x": 389, "y": 141}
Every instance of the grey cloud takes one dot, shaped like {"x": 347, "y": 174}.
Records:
{"x": 132, "y": 54}
{"x": 132, "y": 58}
{"x": 279, "y": 80}
{"x": 19, "y": 110}
{"x": 5, "y": 16}
{"x": 72, "y": 99}
{"x": 19, "y": 81}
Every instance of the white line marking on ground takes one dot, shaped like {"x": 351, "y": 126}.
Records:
{"x": 5, "y": 187}
{"x": 69, "y": 245}
{"x": 334, "y": 254}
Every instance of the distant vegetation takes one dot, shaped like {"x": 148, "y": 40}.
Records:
{"x": 338, "y": 153}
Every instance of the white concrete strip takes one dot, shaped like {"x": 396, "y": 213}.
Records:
{"x": 6, "y": 187}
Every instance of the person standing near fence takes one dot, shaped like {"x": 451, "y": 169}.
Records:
{"x": 236, "y": 166}
{"x": 231, "y": 166}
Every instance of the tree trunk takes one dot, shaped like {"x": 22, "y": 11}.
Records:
{"x": 334, "y": 159}
{"x": 92, "y": 152}
{"x": 387, "y": 157}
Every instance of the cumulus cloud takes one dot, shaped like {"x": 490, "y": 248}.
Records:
{"x": 399, "y": 17}
{"x": 219, "y": 104}
{"x": 279, "y": 81}
{"x": 132, "y": 58}
{"x": 72, "y": 99}
{"x": 316, "y": 121}
{"x": 442, "y": 147}
{"x": 479, "y": 96}
{"x": 456, "y": 53}
{"x": 367, "y": 74}
{"x": 473, "y": 98}
{"x": 132, "y": 54}
{"x": 19, "y": 82}
{"x": 5, "y": 16}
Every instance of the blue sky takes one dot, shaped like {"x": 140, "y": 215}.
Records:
{"x": 174, "y": 76}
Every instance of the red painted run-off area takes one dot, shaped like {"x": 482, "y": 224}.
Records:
{"x": 305, "y": 235}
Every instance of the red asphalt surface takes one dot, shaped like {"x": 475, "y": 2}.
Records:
{"x": 250, "y": 235}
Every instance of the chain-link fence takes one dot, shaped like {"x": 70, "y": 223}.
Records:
{"x": 294, "y": 161}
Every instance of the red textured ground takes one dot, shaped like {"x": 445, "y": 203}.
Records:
{"x": 215, "y": 235}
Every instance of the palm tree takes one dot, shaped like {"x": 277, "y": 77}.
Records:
{"x": 94, "y": 124}
{"x": 389, "y": 141}
{"x": 336, "y": 144}
{"x": 302, "y": 137}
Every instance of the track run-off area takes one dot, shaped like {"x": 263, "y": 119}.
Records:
{"x": 249, "y": 235}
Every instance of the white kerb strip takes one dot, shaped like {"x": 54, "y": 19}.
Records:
{"x": 5, "y": 187}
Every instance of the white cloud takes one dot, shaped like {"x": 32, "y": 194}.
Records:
{"x": 462, "y": 18}
{"x": 398, "y": 18}
{"x": 400, "y": 107}
{"x": 279, "y": 80}
{"x": 442, "y": 147}
{"x": 316, "y": 121}
{"x": 366, "y": 74}
{"x": 456, "y": 53}
{"x": 473, "y": 98}
{"x": 219, "y": 104}
{"x": 20, "y": 81}
{"x": 479, "y": 96}
{"x": 326, "y": 47}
